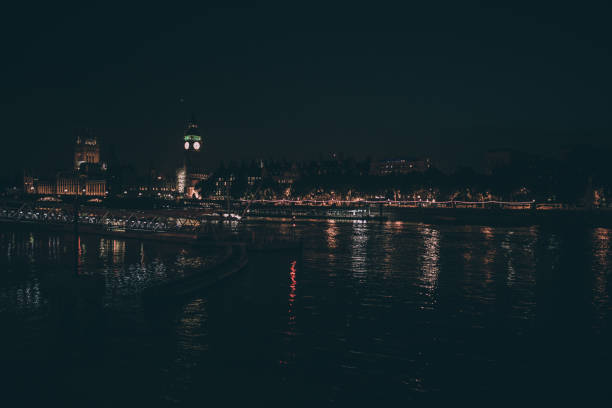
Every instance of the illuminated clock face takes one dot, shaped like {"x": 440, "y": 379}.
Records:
{"x": 186, "y": 145}
{"x": 196, "y": 145}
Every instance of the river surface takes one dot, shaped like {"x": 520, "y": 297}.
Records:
{"x": 369, "y": 313}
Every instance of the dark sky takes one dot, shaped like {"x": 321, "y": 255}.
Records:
{"x": 448, "y": 79}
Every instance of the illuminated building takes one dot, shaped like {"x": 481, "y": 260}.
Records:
{"x": 191, "y": 173}
{"x": 68, "y": 183}
{"x": 87, "y": 150}
{"x": 282, "y": 173}
{"x": 87, "y": 178}
{"x": 252, "y": 180}
{"x": 28, "y": 184}
{"x": 95, "y": 187}
{"x": 399, "y": 166}
{"x": 180, "y": 180}
{"x": 45, "y": 188}
{"x": 157, "y": 185}
{"x": 224, "y": 185}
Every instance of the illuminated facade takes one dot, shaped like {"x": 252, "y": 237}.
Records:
{"x": 252, "y": 180}
{"x": 29, "y": 184}
{"x": 66, "y": 183}
{"x": 399, "y": 166}
{"x": 45, "y": 188}
{"x": 74, "y": 184}
{"x": 95, "y": 188}
{"x": 180, "y": 180}
{"x": 87, "y": 178}
{"x": 86, "y": 150}
{"x": 191, "y": 173}
{"x": 223, "y": 185}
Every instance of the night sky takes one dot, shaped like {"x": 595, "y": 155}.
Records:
{"x": 447, "y": 79}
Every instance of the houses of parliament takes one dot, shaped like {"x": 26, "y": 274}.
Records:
{"x": 87, "y": 178}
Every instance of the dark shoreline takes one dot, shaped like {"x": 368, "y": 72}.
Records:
{"x": 589, "y": 218}
{"x": 454, "y": 216}
{"x": 457, "y": 216}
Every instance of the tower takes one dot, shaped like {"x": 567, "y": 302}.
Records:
{"x": 86, "y": 150}
{"x": 192, "y": 144}
{"x": 191, "y": 172}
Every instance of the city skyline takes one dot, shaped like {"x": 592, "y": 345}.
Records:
{"x": 306, "y": 81}
{"x": 306, "y": 203}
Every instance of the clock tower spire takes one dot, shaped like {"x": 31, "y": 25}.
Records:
{"x": 191, "y": 136}
{"x": 191, "y": 172}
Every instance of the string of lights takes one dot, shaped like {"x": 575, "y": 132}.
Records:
{"x": 395, "y": 202}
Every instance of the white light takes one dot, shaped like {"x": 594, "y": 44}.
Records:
{"x": 196, "y": 145}
{"x": 181, "y": 180}
{"x": 186, "y": 145}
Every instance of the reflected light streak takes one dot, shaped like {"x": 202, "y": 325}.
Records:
{"x": 358, "y": 249}
{"x": 509, "y": 256}
{"x": 489, "y": 256}
{"x": 430, "y": 259}
{"x": 332, "y": 232}
{"x": 80, "y": 255}
{"x": 601, "y": 238}
{"x": 390, "y": 236}
{"x": 602, "y": 245}
{"x": 142, "y": 256}
{"x": 53, "y": 248}
{"x": 103, "y": 248}
{"x": 292, "y": 288}
{"x": 395, "y": 226}
{"x": 26, "y": 297}
{"x": 487, "y": 232}
{"x": 289, "y": 357}
{"x": 118, "y": 251}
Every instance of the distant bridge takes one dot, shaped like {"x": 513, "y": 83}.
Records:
{"x": 185, "y": 221}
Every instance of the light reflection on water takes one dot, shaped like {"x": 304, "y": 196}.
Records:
{"x": 332, "y": 232}
{"x": 35, "y": 262}
{"x": 24, "y": 297}
{"x": 359, "y": 250}
{"x": 429, "y": 259}
{"x": 292, "y": 291}
{"x": 601, "y": 270}
{"x": 509, "y": 258}
{"x": 408, "y": 309}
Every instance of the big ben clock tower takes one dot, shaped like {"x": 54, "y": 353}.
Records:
{"x": 191, "y": 172}
{"x": 192, "y": 142}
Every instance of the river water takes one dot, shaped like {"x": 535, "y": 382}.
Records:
{"x": 369, "y": 313}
